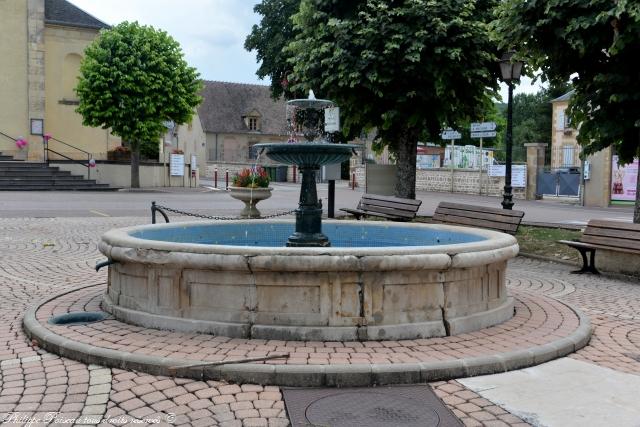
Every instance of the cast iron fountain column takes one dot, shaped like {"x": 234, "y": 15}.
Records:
{"x": 307, "y": 120}
{"x": 309, "y": 213}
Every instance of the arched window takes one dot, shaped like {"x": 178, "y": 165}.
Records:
{"x": 70, "y": 72}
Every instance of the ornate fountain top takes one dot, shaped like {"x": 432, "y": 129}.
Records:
{"x": 311, "y": 102}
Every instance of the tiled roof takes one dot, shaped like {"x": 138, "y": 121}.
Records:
{"x": 567, "y": 96}
{"x": 224, "y": 105}
{"x": 61, "y": 12}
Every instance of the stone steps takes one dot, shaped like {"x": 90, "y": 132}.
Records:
{"x": 16, "y": 175}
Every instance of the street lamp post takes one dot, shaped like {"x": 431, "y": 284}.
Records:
{"x": 510, "y": 70}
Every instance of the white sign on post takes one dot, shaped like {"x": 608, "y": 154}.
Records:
{"x": 484, "y": 134}
{"x": 483, "y": 127}
{"x": 332, "y": 119}
{"x": 450, "y": 134}
{"x": 177, "y": 165}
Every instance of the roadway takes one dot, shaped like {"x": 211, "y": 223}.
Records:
{"x": 207, "y": 200}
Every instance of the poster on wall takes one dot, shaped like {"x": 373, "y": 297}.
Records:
{"x": 623, "y": 180}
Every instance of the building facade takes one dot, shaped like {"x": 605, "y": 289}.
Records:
{"x": 237, "y": 116}
{"x": 42, "y": 46}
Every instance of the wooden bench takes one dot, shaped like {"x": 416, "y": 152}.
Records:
{"x": 504, "y": 220}
{"x": 610, "y": 235}
{"x": 393, "y": 208}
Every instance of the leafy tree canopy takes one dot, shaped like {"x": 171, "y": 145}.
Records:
{"x": 595, "y": 44}
{"x": 132, "y": 79}
{"x": 269, "y": 39}
{"x": 401, "y": 67}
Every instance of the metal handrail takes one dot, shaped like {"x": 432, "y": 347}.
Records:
{"x": 69, "y": 145}
{"x": 87, "y": 165}
{"x": 89, "y": 155}
{"x": 7, "y": 136}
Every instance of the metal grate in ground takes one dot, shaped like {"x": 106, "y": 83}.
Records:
{"x": 398, "y": 406}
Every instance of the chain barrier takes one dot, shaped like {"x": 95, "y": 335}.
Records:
{"x": 155, "y": 207}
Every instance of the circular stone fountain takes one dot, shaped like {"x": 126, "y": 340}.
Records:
{"x": 378, "y": 281}
{"x": 337, "y": 281}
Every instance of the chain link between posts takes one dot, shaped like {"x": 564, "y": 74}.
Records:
{"x": 219, "y": 218}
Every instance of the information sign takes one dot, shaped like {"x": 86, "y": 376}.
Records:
{"x": 177, "y": 165}
{"x": 482, "y": 127}
{"x": 332, "y": 119}
{"x": 518, "y": 174}
{"x": 451, "y": 134}
{"x": 484, "y": 134}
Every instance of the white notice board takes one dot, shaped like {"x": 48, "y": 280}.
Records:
{"x": 518, "y": 174}
{"x": 332, "y": 119}
{"x": 177, "y": 165}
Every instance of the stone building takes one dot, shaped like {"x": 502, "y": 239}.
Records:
{"x": 42, "y": 45}
{"x": 603, "y": 173}
{"x": 236, "y": 116}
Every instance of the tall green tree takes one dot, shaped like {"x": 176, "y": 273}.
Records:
{"x": 134, "y": 78}
{"x": 595, "y": 43}
{"x": 532, "y": 118}
{"x": 270, "y": 38}
{"x": 405, "y": 67}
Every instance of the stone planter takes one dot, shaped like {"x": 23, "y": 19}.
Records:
{"x": 250, "y": 197}
{"x": 119, "y": 156}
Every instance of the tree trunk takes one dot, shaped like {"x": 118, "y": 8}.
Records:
{"x": 135, "y": 165}
{"x": 406, "y": 163}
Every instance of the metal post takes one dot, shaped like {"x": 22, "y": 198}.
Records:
{"x": 480, "y": 175}
{"x": 453, "y": 147}
{"x": 45, "y": 146}
{"x": 507, "y": 200}
{"x": 215, "y": 178}
{"x": 353, "y": 181}
{"x": 153, "y": 212}
{"x": 332, "y": 198}
{"x": 226, "y": 178}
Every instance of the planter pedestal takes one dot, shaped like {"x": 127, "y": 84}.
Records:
{"x": 250, "y": 197}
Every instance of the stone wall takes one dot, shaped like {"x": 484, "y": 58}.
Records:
{"x": 466, "y": 181}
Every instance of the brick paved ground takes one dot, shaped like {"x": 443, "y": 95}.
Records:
{"x": 40, "y": 257}
{"x": 538, "y": 320}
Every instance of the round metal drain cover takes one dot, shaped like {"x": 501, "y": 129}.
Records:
{"x": 78, "y": 318}
{"x": 370, "y": 409}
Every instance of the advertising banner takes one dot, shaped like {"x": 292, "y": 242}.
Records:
{"x": 623, "y": 180}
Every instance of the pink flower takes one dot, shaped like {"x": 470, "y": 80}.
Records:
{"x": 21, "y": 143}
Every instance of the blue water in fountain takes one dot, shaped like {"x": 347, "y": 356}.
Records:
{"x": 276, "y": 234}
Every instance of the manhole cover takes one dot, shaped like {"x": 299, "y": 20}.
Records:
{"x": 401, "y": 406}
{"x": 366, "y": 409}
{"x": 78, "y": 318}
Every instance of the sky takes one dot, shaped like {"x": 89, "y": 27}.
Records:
{"x": 211, "y": 32}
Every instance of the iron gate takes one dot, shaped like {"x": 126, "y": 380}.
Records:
{"x": 560, "y": 182}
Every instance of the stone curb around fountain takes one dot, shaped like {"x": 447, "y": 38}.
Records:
{"x": 345, "y": 375}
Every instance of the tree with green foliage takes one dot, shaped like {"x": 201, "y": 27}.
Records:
{"x": 407, "y": 68}
{"x": 532, "y": 118}
{"x": 134, "y": 78}
{"x": 595, "y": 43}
{"x": 269, "y": 39}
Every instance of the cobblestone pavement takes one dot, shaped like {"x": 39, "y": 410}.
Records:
{"x": 538, "y": 321}
{"x": 41, "y": 257}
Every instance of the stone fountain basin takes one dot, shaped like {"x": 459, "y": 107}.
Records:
{"x": 330, "y": 293}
